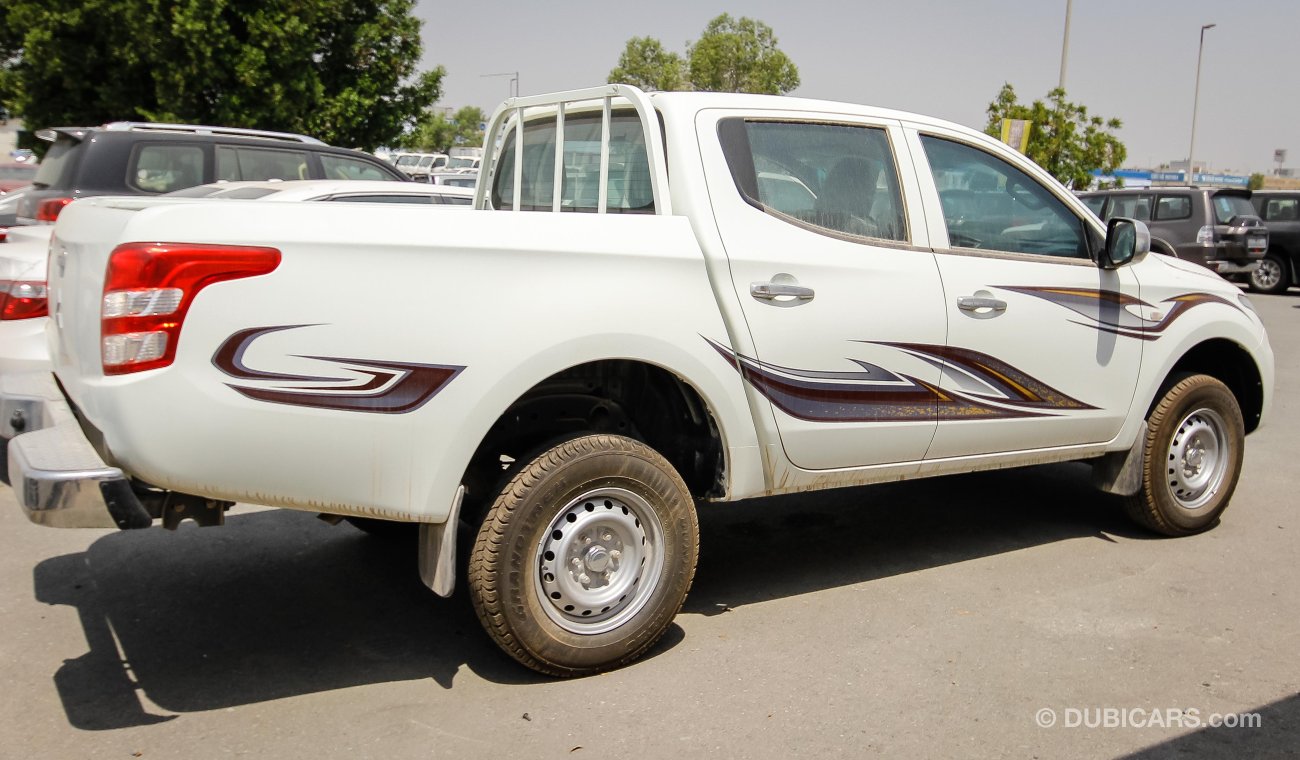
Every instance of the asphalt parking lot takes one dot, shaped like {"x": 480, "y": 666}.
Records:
{"x": 1007, "y": 614}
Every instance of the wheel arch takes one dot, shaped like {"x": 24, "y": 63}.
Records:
{"x": 1228, "y": 362}
{"x": 630, "y": 397}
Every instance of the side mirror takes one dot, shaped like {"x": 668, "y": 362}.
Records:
{"x": 1127, "y": 240}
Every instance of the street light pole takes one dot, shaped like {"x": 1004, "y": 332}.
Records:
{"x": 1065, "y": 43}
{"x": 512, "y": 84}
{"x": 1196, "y": 102}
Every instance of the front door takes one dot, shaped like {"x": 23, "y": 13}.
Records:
{"x": 1043, "y": 347}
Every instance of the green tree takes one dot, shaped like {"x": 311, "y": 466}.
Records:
{"x": 342, "y": 71}
{"x": 1064, "y": 139}
{"x": 437, "y": 133}
{"x": 1256, "y": 181}
{"x": 732, "y": 55}
{"x": 740, "y": 55}
{"x": 646, "y": 64}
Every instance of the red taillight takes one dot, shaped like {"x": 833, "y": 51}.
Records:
{"x": 23, "y": 299}
{"x": 48, "y": 210}
{"x": 149, "y": 287}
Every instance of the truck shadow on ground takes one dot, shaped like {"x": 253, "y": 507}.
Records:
{"x": 278, "y": 604}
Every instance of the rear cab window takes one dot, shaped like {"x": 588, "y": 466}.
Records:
{"x": 629, "y": 190}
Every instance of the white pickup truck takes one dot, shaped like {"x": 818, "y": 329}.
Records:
{"x": 658, "y": 301}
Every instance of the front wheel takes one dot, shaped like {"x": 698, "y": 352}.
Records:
{"x": 1270, "y": 277}
{"x": 586, "y": 556}
{"x": 1194, "y": 448}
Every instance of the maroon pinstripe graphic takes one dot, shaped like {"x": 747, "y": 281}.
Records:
{"x": 392, "y": 387}
{"x": 875, "y": 394}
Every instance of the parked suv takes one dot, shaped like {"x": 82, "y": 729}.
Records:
{"x": 133, "y": 158}
{"x": 1215, "y": 227}
{"x": 1280, "y": 210}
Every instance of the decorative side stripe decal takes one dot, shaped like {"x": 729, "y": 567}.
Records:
{"x": 391, "y": 387}
{"x": 878, "y": 395}
{"x": 1113, "y": 312}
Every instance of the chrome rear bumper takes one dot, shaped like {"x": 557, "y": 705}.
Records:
{"x": 58, "y": 477}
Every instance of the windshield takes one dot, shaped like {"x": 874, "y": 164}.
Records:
{"x": 460, "y": 163}
{"x": 56, "y": 162}
{"x": 408, "y": 160}
{"x": 1228, "y": 206}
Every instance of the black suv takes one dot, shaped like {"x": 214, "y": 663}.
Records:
{"x": 1280, "y": 210}
{"x": 1215, "y": 227}
{"x": 134, "y": 158}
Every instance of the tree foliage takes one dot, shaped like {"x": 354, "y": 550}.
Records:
{"x": 438, "y": 133}
{"x": 646, "y": 64}
{"x": 342, "y": 71}
{"x": 1256, "y": 181}
{"x": 732, "y": 55}
{"x": 1064, "y": 139}
{"x": 740, "y": 55}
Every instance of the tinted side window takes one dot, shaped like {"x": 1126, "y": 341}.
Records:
{"x": 1095, "y": 202}
{"x": 1282, "y": 210}
{"x": 990, "y": 204}
{"x": 828, "y": 177}
{"x": 342, "y": 167}
{"x": 1130, "y": 207}
{"x": 53, "y": 170}
{"x": 1173, "y": 207}
{"x": 260, "y": 164}
{"x": 629, "y": 190}
{"x": 163, "y": 168}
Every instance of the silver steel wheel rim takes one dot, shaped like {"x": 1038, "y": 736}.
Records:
{"x": 1198, "y": 458}
{"x": 599, "y": 561}
{"x": 1268, "y": 274}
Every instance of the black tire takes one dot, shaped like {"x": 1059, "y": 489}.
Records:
{"x": 623, "y": 508}
{"x": 1194, "y": 447}
{"x": 1271, "y": 277}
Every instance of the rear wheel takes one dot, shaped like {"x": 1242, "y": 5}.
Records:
{"x": 1194, "y": 447}
{"x": 1270, "y": 277}
{"x": 586, "y": 556}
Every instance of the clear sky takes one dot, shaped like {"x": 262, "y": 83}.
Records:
{"x": 1130, "y": 59}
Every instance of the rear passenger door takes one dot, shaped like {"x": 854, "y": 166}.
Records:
{"x": 1040, "y": 352}
{"x": 820, "y": 220}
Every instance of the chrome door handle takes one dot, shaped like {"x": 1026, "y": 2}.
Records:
{"x": 975, "y": 303}
{"x": 768, "y": 291}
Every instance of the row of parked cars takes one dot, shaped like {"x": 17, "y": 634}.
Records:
{"x": 1242, "y": 235}
{"x": 180, "y": 160}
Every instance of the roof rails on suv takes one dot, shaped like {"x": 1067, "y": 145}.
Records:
{"x": 203, "y": 129}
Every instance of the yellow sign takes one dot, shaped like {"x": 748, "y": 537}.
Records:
{"x": 1015, "y": 132}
